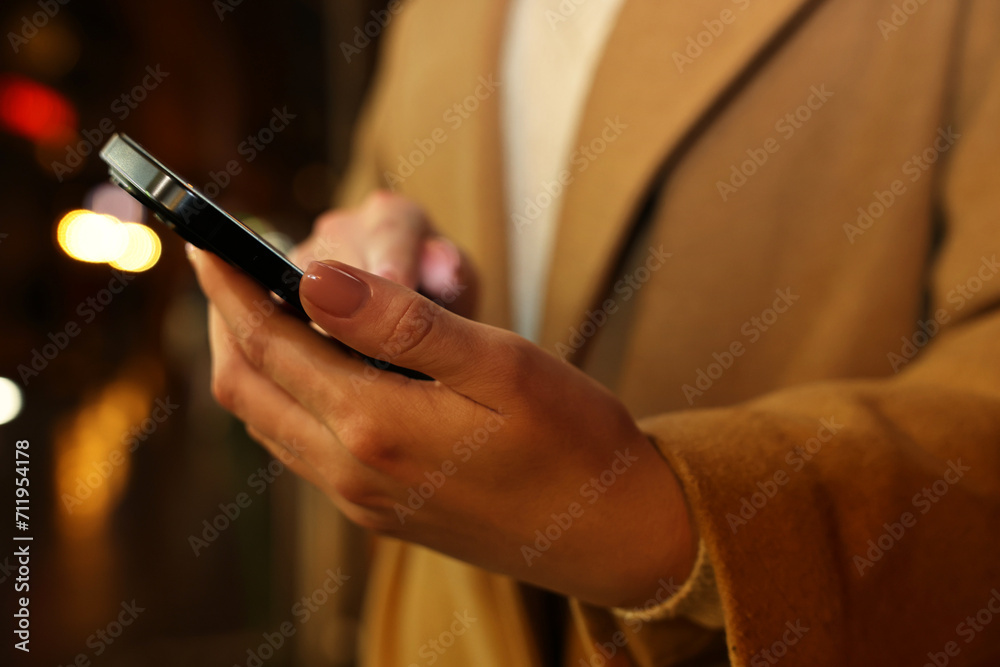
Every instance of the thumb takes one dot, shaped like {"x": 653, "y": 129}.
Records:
{"x": 390, "y": 322}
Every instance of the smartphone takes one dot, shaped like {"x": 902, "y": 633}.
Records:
{"x": 198, "y": 220}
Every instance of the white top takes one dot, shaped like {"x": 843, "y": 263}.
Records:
{"x": 547, "y": 66}
{"x": 550, "y": 51}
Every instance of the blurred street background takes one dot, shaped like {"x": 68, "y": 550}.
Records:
{"x": 138, "y": 554}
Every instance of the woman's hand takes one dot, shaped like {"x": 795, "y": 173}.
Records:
{"x": 511, "y": 460}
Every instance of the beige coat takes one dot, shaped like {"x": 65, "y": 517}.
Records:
{"x": 823, "y": 175}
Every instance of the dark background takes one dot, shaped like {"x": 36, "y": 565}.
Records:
{"x": 230, "y": 64}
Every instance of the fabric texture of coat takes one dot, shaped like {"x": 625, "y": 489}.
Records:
{"x": 778, "y": 245}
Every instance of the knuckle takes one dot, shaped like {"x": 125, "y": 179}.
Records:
{"x": 224, "y": 391}
{"x": 365, "y": 504}
{"x": 256, "y": 346}
{"x": 381, "y": 521}
{"x": 519, "y": 370}
{"x": 357, "y": 492}
{"x": 225, "y": 382}
{"x": 412, "y": 327}
{"x": 365, "y": 442}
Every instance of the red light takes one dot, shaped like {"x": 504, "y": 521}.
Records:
{"x": 34, "y": 111}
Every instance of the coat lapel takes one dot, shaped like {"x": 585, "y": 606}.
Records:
{"x": 484, "y": 36}
{"x": 651, "y": 102}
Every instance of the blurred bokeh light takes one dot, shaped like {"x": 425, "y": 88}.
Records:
{"x": 10, "y": 400}
{"x": 96, "y": 237}
{"x": 142, "y": 249}
{"x": 93, "y": 465}
{"x": 34, "y": 111}
{"x": 52, "y": 52}
{"x": 91, "y": 237}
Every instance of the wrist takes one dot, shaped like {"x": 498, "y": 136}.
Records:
{"x": 666, "y": 542}
{"x": 646, "y": 535}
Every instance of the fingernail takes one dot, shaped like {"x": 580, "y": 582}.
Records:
{"x": 441, "y": 263}
{"x": 189, "y": 251}
{"x": 446, "y": 253}
{"x": 334, "y": 290}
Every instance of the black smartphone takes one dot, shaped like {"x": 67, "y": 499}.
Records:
{"x": 198, "y": 220}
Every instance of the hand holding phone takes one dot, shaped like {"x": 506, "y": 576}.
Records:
{"x": 198, "y": 220}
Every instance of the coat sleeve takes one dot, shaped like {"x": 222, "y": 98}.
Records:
{"x": 858, "y": 522}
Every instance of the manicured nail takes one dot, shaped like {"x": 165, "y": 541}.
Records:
{"x": 334, "y": 290}
{"x": 441, "y": 262}
{"x": 445, "y": 254}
